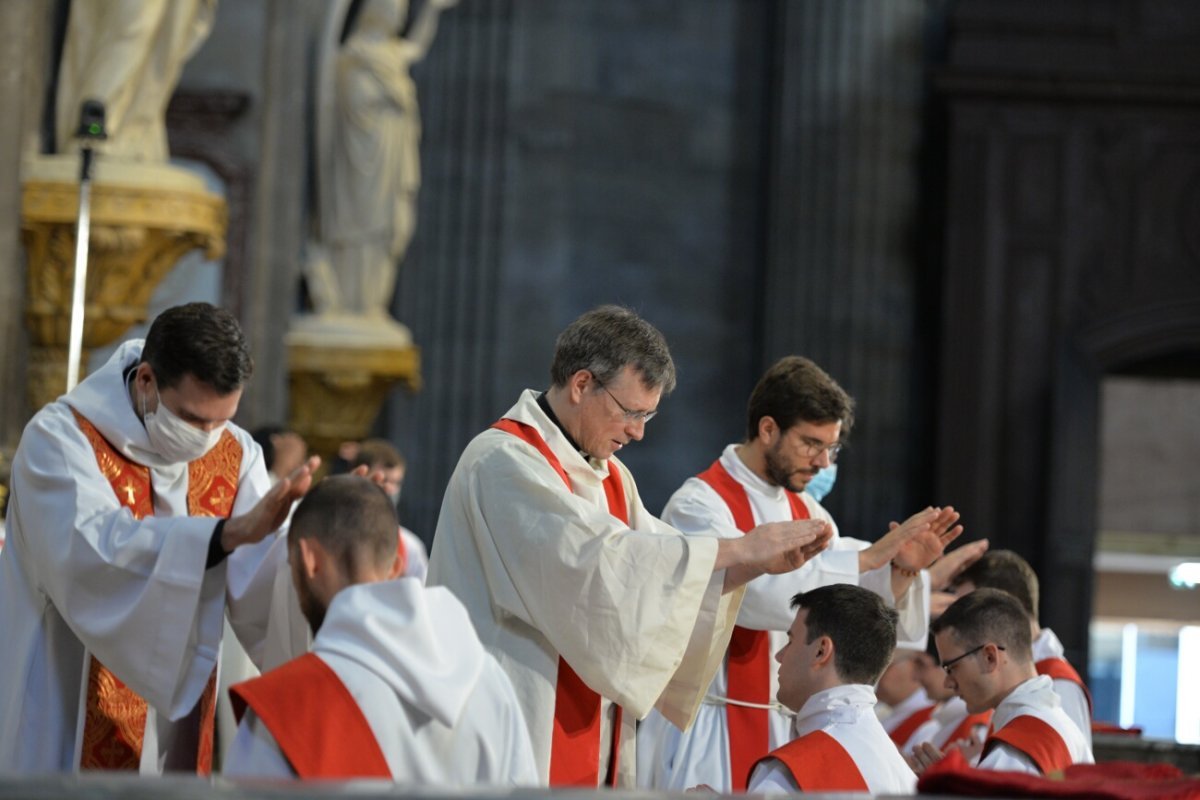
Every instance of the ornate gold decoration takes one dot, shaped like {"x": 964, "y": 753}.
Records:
{"x": 143, "y": 220}
{"x": 336, "y": 391}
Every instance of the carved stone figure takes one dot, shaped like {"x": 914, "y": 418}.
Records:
{"x": 128, "y": 54}
{"x": 369, "y": 158}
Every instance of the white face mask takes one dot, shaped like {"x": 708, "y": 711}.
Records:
{"x": 174, "y": 439}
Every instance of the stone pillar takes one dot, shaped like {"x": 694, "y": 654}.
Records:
{"x": 25, "y": 33}
{"x": 841, "y": 283}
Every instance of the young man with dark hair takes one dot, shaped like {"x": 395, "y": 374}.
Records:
{"x": 984, "y": 644}
{"x": 141, "y": 515}
{"x": 950, "y": 723}
{"x": 397, "y": 684}
{"x": 796, "y": 423}
{"x": 1007, "y": 571}
{"x": 837, "y": 647}
{"x": 381, "y": 456}
{"x": 597, "y": 610}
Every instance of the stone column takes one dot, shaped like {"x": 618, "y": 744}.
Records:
{"x": 842, "y": 282}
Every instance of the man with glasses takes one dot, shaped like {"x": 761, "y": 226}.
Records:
{"x": 984, "y": 643}
{"x": 1005, "y": 570}
{"x": 597, "y": 610}
{"x": 797, "y": 419}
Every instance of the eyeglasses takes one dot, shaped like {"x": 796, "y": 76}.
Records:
{"x": 949, "y": 665}
{"x": 630, "y": 415}
{"x": 812, "y": 448}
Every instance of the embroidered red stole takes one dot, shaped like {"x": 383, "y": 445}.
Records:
{"x": 575, "y": 743}
{"x": 317, "y": 723}
{"x": 748, "y": 662}
{"x": 1036, "y": 739}
{"x": 908, "y": 727}
{"x": 1061, "y": 670}
{"x": 818, "y": 763}
{"x": 115, "y": 716}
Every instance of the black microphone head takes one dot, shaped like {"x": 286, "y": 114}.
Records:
{"x": 91, "y": 120}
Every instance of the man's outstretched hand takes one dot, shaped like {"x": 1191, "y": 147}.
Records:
{"x": 271, "y": 510}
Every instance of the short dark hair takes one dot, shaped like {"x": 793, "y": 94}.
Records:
{"x": 607, "y": 339}
{"x": 988, "y": 615}
{"x": 353, "y": 520}
{"x": 796, "y": 390}
{"x": 200, "y": 340}
{"x": 1004, "y": 569}
{"x": 378, "y": 453}
{"x": 862, "y": 627}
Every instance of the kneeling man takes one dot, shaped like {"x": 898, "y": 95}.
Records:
{"x": 397, "y": 684}
{"x": 838, "y": 646}
{"x": 984, "y": 643}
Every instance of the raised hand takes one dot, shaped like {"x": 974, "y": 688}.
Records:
{"x": 947, "y": 569}
{"x": 271, "y": 510}
{"x": 888, "y": 546}
{"x": 782, "y": 546}
{"x": 926, "y": 546}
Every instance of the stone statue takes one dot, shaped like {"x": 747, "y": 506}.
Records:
{"x": 369, "y": 158}
{"x": 128, "y": 54}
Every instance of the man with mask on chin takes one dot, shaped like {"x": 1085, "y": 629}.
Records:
{"x": 140, "y": 516}
{"x": 397, "y": 684}
{"x": 797, "y": 420}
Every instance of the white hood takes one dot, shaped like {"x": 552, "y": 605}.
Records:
{"x": 99, "y": 398}
{"x": 419, "y": 640}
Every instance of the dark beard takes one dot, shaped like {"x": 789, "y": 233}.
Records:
{"x": 778, "y": 474}
{"x": 312, "y": 608}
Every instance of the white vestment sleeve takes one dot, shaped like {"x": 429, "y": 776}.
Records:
{"x": 698, "y": 510}
{"x": 255, "y": 753}
{"x": 619, "y": 606}
{"x": 771, "y": 777}
{"x": 135, "y": 593}
{"x": 1009, "y": 759}
{"x": 1075, "y": 704}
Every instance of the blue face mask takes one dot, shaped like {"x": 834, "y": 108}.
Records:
{"x": 822, "y": 483}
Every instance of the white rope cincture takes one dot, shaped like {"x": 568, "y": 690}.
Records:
{"x": 718, "y": 700}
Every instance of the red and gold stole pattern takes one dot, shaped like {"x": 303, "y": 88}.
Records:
{"x": 115, "y": 718}
{"x": 748, "y": 661}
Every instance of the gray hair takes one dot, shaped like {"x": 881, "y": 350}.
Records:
{"x": 607, "y": 339}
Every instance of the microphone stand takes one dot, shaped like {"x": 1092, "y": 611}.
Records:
{"x": 91, "y": 130}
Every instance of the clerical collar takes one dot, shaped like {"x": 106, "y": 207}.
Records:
{"x": 544, "y": 405}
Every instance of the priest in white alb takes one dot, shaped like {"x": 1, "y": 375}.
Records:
{"x": 140, "y": 516}
{"x": 597, "y": 610}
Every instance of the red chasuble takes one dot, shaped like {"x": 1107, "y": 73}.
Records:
{"x": 748, "y": 662}
{"x": 819, "y": 763}
{"x": 316, "y": 722}
{"x": 115, "y": 717}
{"x": 575, "y": 744}
{"x": 1036, "y": 739}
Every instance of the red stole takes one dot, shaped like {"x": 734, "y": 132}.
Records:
{"x": 904, "y": 731}
{"x": 748, "y": 662}
{"x": 575, "y": 744}
{"x": 316, "y": 722}
{"x": 1036, "y": 739}
{"x": 818, "y": 763}
{"x": 115, "y": 717}
{"x": 964, "y": 729}
{"x": 1059, "y": 669}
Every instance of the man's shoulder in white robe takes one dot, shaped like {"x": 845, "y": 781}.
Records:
{"x": 441, "y": 709}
